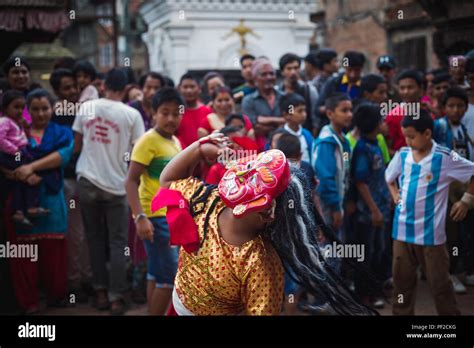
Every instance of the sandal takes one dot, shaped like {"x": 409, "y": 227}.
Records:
{"x": 118, "y": 307}
{"x": 40, "y": 211}
{"x": 101, "y": 301}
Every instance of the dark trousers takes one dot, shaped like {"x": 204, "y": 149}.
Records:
{"x": 460, "y": 242}
{"x": 105, "y": 218}
{"x": 24, "y": 195}
{"x": 373, "y": 241}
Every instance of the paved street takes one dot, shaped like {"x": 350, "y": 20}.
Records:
{"x": 424, "y": 305}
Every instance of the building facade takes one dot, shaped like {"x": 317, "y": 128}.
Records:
{"x": 202, "y": 34}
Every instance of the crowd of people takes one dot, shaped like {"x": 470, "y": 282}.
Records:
{"x": 89, "y": 174}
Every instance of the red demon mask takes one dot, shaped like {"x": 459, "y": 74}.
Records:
{"x": 250, "y": 184}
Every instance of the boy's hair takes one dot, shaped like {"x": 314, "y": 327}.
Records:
{"x": 290, "y": 145}
{"x": 64, "y": 63}
{"x": 189, "y": 76}
{"x": 421, "y": 123}
{"x": 153, "y": 75}
{"x": 9, "y": 96}
{"x": 334, "y": 99}
{"x": 86, "y": 67}
{"x": 411, "y": 74}
{"x": 168, "y": 81}
{"x": 57, "y": 75}
{"x": 469, "y": 68}
{"x": 325, "y": 56}
{"x": 288, "y": 58}
{"x": 367, "y": 117}
{"x": 219, "y": 90}
{"x": 116, "y": 80}
{"x": 312, "y": 59}
{"x": 130, "y": 74}
{"x": 100, "y": 76}
{"x": 37, "y": 94}
{"x": 455, "y": 92}
{"x": 435, "y": 71}
{"x": 289, "y": 100}
{"x": 229, "y": 130}
{"x": 246, "y": 56}
{"x": 441, "y": 77}
{"x": 355, "y": 59}
{"x": 12, "y": 63}
{"x": 280, "y": 130}
{"x": 165, "y": 95}
{"x": 369, "y": 83}
{"x": 229, "y": 118}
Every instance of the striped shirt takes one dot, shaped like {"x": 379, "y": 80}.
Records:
{"x": 420, "y": 216}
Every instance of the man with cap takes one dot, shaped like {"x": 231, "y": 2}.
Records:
{"x": 386, "y": 67}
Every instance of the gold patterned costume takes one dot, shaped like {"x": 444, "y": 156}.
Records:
{"x": 222, "y": 279}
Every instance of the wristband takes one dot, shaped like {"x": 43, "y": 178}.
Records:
{"x": 138, "y": 217}
{"x": 468, "y": 199}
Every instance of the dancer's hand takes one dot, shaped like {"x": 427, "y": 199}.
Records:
{"x": 214, "y": 145}
{"x": 216, "y": 138}
{"x": 145, "y": 229}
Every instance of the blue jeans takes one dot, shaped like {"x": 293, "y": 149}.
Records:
{"x": 162, "y": 258}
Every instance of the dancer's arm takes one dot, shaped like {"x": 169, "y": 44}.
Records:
{"x": 182, "y": 166}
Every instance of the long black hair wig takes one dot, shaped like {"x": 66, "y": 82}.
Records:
{"x": 293, "y": 235}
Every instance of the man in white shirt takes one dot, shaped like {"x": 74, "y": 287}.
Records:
{"x": 105, "y": 130}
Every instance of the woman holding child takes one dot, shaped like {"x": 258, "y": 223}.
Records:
{"x": 53, "y": 148}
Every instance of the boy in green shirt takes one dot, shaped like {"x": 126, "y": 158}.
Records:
{"x": 150, "y": 155}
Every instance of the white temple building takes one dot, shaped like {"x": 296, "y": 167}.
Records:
{"x": 197, "y": 34}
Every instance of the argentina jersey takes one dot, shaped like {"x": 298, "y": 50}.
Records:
{"x": 420, "y": 216}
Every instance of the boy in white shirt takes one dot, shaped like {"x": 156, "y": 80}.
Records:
{"x": 424, "y": 171}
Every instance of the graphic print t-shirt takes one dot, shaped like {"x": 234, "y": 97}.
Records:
{"x": 108, "y": 134}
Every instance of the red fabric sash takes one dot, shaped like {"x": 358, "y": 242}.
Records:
{"x": 183, "y": 229}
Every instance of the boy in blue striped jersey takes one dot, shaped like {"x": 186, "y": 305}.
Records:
{"x": 424, "y": 171}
